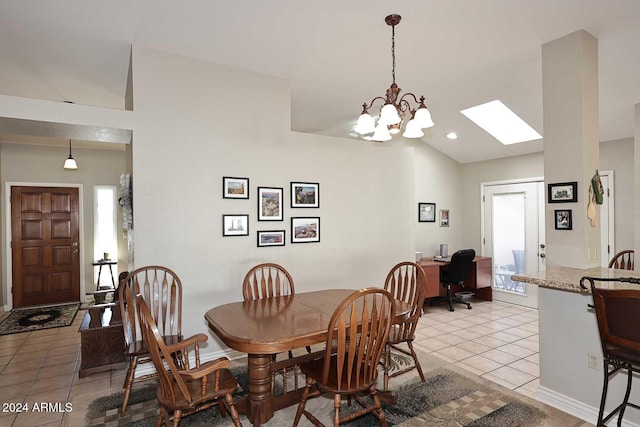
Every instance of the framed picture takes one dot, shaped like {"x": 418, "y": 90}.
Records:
{"x": 235, "y": 225}
{"x": 305, "y": 230}
{"x": 562, "y": 192}
{"x": 305, "y": 195}
{"x": 426, "y": 212}
{"x": 271, "y": 238}
{"x": 235, "y": 188}
{"x": 444, "y": 217}
{"x": 563, "y": 219}
{"x": 269, "y": 204}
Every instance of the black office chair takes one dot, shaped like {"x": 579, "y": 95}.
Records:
{"x": 456, "y": 274}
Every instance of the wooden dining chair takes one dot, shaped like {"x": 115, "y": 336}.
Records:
{"x": 406, "y": 282}
{"x": 189, "y": 387}
{"x": 356, "y": 336}
{"x": 162, "y": 290}
{"x": 267, "y": 280}
{"x": 624, "y": 260}
{"x": 271, "y": 280}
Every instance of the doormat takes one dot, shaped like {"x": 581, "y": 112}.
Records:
{"x": 33, "y": 319}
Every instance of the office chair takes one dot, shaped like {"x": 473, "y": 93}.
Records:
{"x": 456, "y": 274}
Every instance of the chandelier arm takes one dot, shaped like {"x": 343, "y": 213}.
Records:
{"x": 415, "y": 99}
{"x": 370, "y": 105}
{"x": 404, "y": 106}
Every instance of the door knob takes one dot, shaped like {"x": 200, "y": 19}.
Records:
{"x": 542, "y": 246}
{"x": 543, "y": 256}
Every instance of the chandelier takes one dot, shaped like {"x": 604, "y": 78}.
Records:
{"x": 395, "y": 108}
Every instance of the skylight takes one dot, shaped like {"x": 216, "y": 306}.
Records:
{"x": 501, "y": 123}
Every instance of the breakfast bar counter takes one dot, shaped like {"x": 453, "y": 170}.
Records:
{"x": 571, "y": 366}
{"x": 568, "y": 279}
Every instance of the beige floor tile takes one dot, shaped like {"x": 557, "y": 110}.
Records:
{"x": 430, "y": 344}
{"x": 473, "y": 347}
{"x": 489, "y": 376}
{"x": 535, "y": 358}
{"x": 489, "y": 341}
{"x": 42, "y": 332}
{"x": 6, "y": 420}
{"x": 66, "y": 342}
{"x": 28, "y": 365}
{"x": 63, "y": 358}
{"x": 12, "y": 338}
{"x": 14, "y": 391}
{"x": 516, "y": 350}
{"x": 50, "y": 383}
{"x": 32, "y": 419}
{"x": 511, "y": 375}
{"x": 66, "y": 349}
{"x": 451, "y": 339}
{"x": 10, "y": 348}
{"x": 481, "y": 364}
{"x": 88, "y": 387}
{"x": 4, "y": 360}
{"x": 503, "y": 336}
{"x": 454, "y": 353}
{"x": 528, "y": 343}
{"x": 467, "y": 334}
{"x": 526, "y": 366}
{"x": 520, "y": 332}
{"x": 17, "y": 378}
{"x": 509, "y": 321}
{"x": 55, "y": 370}
{"x": 40, "y": 339}
{"x": 33, "y": 347}
{"x": 500, "y": 356}
{"x": 34, "y": 355}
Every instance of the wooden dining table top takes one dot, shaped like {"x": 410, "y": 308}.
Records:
{"x": 276, "y": 324}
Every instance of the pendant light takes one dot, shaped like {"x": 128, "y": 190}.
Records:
{"x": 70, "y": 163}
{"x": 396, "y": 108}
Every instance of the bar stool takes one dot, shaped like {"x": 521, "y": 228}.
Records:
{"x": 617, "y": 316}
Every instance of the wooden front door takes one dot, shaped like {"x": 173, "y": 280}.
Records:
{"x": 44, "y": 245}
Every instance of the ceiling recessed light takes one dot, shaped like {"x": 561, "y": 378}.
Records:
{"x": 452, "y": 135}
{"x": 501, "y": 123}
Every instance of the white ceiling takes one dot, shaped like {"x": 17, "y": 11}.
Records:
{"x": 336, "y": 55}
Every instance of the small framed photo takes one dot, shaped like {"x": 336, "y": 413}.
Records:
{"x": 271, "y": 238}
{"x": 235, "y": 225}
{"x": 305, "y": 230}
{"x": 563, "y": 219}
{"x": 305, "y": 195}
{"x": 562, "y": 192}
{"x": 444, "y": 217}
{"x": 235, "y": 188}
{"x": 426, "y": 212}
{"x": 269, "y": 204}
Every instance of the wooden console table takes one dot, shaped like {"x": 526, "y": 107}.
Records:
{"x": 102, "y": 339}
{"x": 478, "y": 281}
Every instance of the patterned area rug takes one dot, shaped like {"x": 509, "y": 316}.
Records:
{"x": 448, "y": 397}
{"x": 33, "y": 319}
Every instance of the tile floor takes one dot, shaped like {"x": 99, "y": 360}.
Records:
{"x": 496, "y": 341}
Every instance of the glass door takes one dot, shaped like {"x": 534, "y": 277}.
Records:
{"x": 514, "y": 238}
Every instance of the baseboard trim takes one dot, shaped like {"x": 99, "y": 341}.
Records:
{"x": 572, "y": 406}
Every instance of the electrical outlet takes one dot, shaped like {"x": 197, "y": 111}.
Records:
{"x": 594, "y": 361}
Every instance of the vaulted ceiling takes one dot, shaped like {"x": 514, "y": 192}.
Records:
{"x": 335, "y": 54}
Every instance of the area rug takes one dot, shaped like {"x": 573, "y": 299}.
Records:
{"x": 33, "y": 319}
{"x": 450, "y": 396}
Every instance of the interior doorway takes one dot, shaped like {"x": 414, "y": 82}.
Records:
{"x": 45, "y": 245}
{"x": 513, "y": 236}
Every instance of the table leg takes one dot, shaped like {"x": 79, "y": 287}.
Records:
{"x": 260, "y": 408}
{"x": 113, "y": 280}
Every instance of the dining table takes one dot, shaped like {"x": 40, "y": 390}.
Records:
{"x": 267, "y": 326}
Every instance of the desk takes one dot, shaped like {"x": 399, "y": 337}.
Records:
{"x": 478, "y": 280}
{"x": 274, "y": 325}
{"x": 100, "y": 264}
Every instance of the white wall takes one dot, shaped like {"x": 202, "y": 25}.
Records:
{"x": 438, "y": 179}
{"x": 614, "y": 155}
{"x": 43, "y": 164}
{"x": 197, "y": 122}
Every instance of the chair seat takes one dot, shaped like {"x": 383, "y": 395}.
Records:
{"x": 625, "y": 354}
{"x": 139, "y": 348}
{"x": 314, "y": 369}
{"x": 227, "y": 383}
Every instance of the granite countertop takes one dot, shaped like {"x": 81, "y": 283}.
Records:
{"x": 568, "y": 279}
